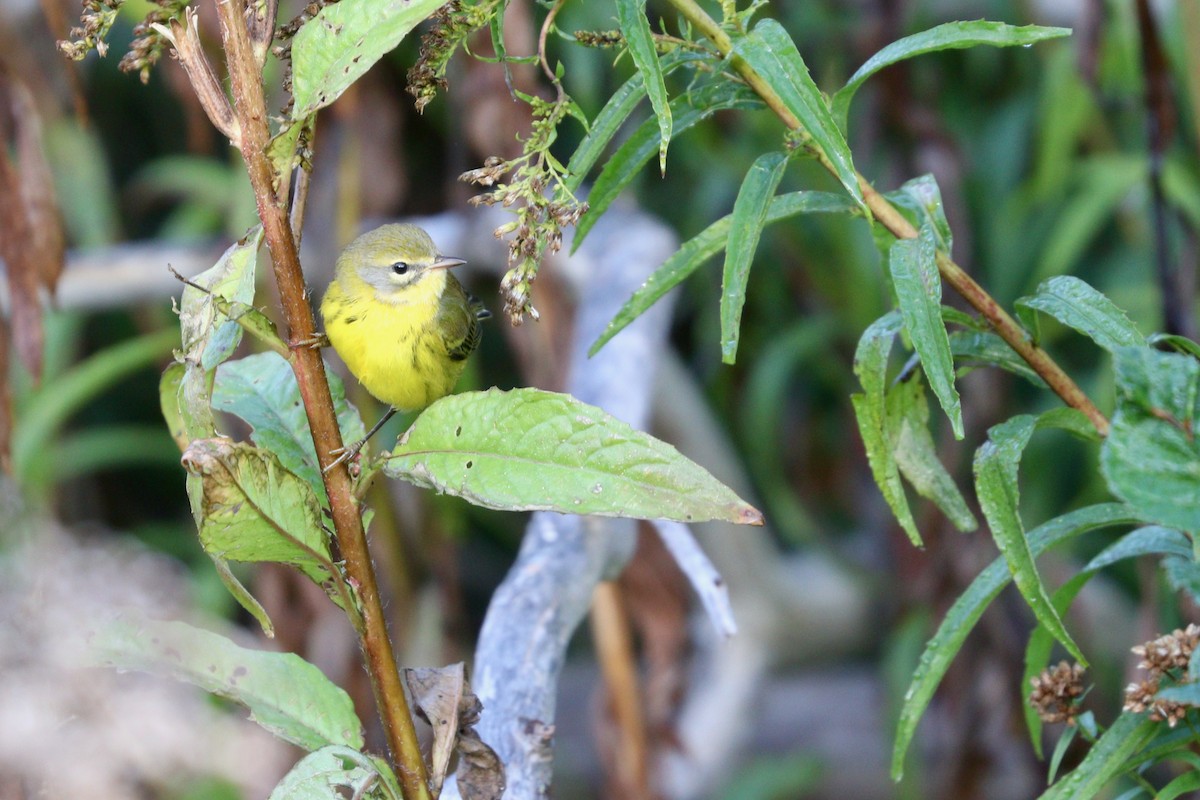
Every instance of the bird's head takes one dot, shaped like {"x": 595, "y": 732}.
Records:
{"x": 395, "y": 258}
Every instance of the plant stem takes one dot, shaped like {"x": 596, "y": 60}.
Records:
{"x": 245, "y": 78}
{"x": 887, "y": 215}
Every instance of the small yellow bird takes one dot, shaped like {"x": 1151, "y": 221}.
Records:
{"x": 402, "y": 323}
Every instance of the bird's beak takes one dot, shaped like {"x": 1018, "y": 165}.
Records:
{"x": 445, "y": 262}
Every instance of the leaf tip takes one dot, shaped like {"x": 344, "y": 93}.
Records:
{"x": 749, "y": 515}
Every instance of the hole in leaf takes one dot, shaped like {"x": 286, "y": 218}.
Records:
{"x": 470, "y": 464}
{"x": 458, "y": 431}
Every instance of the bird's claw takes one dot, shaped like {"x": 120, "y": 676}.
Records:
{"x": 315, "y": 342}
{"x": 343, "y": 454}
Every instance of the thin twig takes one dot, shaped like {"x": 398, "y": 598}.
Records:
{"x": 546, "y": 25}
{"x": 245, "y": 79}
{"x": 895, "y": 222}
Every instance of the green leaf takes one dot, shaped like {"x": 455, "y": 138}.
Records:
{"x": 168, "y": 400}
{"x": 916, "y": 454}
{"x": 337, "y": 46}
{"x": 285, "y": 694}
{"x": 880, "y": 432}
{"x": 1060, "y": 749}
{"x": 529, "y": 450}
{"x": 950, "y": 36}
{"x": 1106, "y": 759}
{"x": 1146, "y": 541}
{"x": 918, "y": 287}
{"x": 982, "y": 347}
{"x": 1151, "y": 458}
{"x": 240, "y": 593}
{"x": 996, "y": 464}
{"x": 326, "y": 774}
{"x": 922, "y": 198}
{"x": 249, "y": 508}
{"x": 748, "y": 218}
{"x": 1077, "y": 305}
{"x": 688, "y": 258}
{"x": 614, "y": 114}
{"x": 1178, "y": 343}
{"x": 960, "y": 620}
{"x": 770, "y": 51}
{"x": 206, "y": 332}
{"x": 262, "y": 390}
{"x": 686, "y": 111}
{"x": 1186, "y": 783}
{"x": 631, "y": 16}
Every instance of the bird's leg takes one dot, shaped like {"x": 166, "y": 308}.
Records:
{"x": 346, "y": 453}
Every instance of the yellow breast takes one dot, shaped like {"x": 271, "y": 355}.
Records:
{"x": 394, "y": 348}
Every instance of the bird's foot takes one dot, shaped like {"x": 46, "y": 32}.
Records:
{"x": 315, "y": 342}
{"x": 344, "y": 454}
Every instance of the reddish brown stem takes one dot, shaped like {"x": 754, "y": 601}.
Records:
{"x": 245, "y": 77}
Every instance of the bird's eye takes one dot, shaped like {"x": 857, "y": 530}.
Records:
{"x": 400, "y": 268}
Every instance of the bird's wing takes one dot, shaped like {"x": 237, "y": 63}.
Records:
{"x": 458, "y": 320}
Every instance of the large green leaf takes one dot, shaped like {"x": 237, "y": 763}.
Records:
{"x": 527, "y": 450}
{"x": 1151, "y": 458}
{"x": 1077, "y": 305}
{"x": 337, "y": 46}
{"x": 961, "y": 618}
{"x": 694, "y": 252}
{"x": 950, "y": 36}
{"x": 262, "y": 390}
{"x": 749, "y": 217}
{"x": 285, "y": 694}
{"x": 996, "y": 465}
{"x": 686, "y": 110}
{"x": 249, "y": 508}
{"x": 913, "y": 265}
{"x": 631, "y": 16}
{"x": 773, "y": 55}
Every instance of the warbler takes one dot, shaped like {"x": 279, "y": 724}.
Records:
{"x": 402, "y": 323}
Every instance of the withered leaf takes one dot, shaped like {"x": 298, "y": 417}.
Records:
{"x": 443, "y": 698}
{"x": 480, "y": 772}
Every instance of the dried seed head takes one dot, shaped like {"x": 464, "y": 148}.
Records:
{"x": 1056, "y": 692}
{"x": 1170, "y": 652}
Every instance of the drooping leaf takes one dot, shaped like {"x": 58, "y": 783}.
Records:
{"x": 950, "y": 36}
{"x": 285, "y": 694}
{"x": 1077, "y": 305}
{"x": 631, "y": 16}
{"x": 913, "y": 265}
{"x": 1037, "y": 656}
{"x": 323, "y": 775}
{"x": 686, "y": 110}
{"x": 262, "y": 390}
{"x": 773, "y": 55}
{"x": 688, "y": 258}
{"x": 1149, "y": 540}
{"x": 337, "y": 46}
{"x": 1182, "y": 785}
{"x": 880, "y": 432}
{"x": 249, "y": 508}
{"x": 614, "y": 114}
{"x": 916, "y": 454}
{"x": 748, "y": 218}
{"x": 443, "y": 698}
{"x": 243, "y": 597}
{"x": 528, "y": 449}
{"x": 960, "y": 620}
{"x": 1151, "y": 458}
{"x": 996, "y": 465}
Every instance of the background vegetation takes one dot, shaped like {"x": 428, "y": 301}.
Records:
{"x": 1076, "y": 156}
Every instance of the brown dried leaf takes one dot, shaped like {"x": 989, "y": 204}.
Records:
{"x": 480, "y": 773}
{"x": 443, "y": 698}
